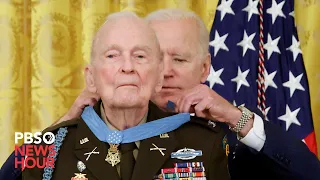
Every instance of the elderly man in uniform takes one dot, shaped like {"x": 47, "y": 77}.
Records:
{"x": 263, "y": 151}
{"x": 125, "y": 135}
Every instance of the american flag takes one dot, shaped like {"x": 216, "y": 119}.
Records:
{"x": 238, "y": 28}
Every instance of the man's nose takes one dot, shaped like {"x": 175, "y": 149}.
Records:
{"x": 127, "y": 65}
{"x": 168, "y": 69}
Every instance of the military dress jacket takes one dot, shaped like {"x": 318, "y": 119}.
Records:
{"x": 196, "y": 134}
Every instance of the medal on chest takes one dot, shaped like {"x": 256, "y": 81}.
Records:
{"x": 113, "y": 156}
{"x": 79, "y": 176}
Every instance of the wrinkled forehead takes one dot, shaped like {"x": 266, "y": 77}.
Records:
{"x": 127, "y": 32}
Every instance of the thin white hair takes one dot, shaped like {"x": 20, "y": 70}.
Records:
{"x": 121, "y": 14}
{"x": 179, "y": 14}
{"x": 111, "y": 17}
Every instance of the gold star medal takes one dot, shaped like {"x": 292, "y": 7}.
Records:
{"x": 79, "y": 176}
{"x": 113, "y": 156}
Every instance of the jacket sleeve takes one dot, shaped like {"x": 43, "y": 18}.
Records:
{"x": 290, "y": 152}
{"x": 282, "y": 155}
{"x": 8, "y": 169}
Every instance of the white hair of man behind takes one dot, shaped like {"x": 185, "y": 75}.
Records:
{"x": 179, "y": 14}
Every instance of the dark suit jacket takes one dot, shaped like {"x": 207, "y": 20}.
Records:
{"x": 282, "y": 157}
{"x": 194, "y": 134}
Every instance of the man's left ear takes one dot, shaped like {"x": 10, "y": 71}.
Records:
{"x": 205, "y": 70}
{"x": 90, "y": 85}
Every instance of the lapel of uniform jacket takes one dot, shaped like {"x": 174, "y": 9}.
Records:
{"x": 96, "y": 164}
{"x": 150, "y": 162}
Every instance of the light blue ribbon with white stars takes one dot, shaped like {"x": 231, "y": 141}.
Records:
{"x": 133, "y": 134}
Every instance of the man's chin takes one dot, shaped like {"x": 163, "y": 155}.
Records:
{"x": 127, "y": 103}
{"x": 126, "y": 93}
{"x": 169, "y": 91}
{"x": 127, "y": 99}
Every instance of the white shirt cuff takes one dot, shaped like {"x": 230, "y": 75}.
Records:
{"x": 256, "y": 137}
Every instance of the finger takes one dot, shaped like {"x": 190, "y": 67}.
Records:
{"x": 192, "y": 98}
{"x": 97, "y": 97}
{"x": 81, "y": 107}
{"x": 93, "y": 95}
{"x": 92, "y": 102}
{"x": 88, "y": 94}
{"x": 89, "y": 101}
{"x": 82, "y": 104}
{"x": 199, "y": 93}
{"x": 189, "y": 102}
{"x": 202, "y": 109}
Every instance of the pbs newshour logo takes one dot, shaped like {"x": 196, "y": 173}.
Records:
{"x": 36, "y": 138}
{"x": 35, "y": 145}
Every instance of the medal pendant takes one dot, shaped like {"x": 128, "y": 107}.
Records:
{"x": 113, "y": 156}
{"x": 79, "y": 176}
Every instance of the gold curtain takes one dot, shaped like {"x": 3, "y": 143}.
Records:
{"x": 44, "y": 45}
{"x": 307, "y": 14}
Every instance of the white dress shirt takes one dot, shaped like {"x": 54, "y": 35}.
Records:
{"x": 256, "y": 137}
